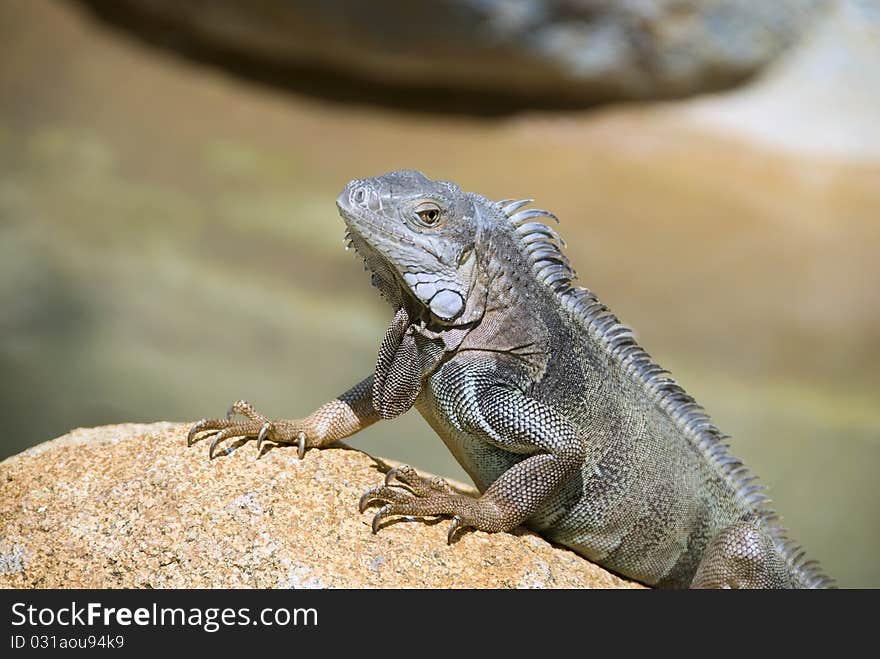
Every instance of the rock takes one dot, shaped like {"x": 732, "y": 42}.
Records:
{"x": 130, "y": 506}
{"x": 558, "y": 51}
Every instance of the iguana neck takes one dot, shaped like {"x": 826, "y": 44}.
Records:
{"x": 512, "y": 322}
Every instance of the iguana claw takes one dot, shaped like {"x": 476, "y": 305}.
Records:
{"x": 213, "y": 445}
{"x": 392, "y": 473}
{"x": 263, "y": 431}
{"x": 196, "y": 429}
{"x": 456, "y": 524}
{"x": 384, "y": 511}
{"x": 366, "y": 498}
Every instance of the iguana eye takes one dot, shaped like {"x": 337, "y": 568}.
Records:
{"x": 427, "y": 214}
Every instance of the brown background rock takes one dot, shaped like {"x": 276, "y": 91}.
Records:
{"x": 132, "y": 506}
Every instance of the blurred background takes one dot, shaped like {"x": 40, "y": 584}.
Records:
{"x": 169, "y": 241}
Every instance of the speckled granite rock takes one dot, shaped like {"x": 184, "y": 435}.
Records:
{"x": 132, "y": 506}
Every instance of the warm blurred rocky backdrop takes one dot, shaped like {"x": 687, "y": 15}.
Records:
{"x": 479, "y": 54}
{"x": 169, "y": 241}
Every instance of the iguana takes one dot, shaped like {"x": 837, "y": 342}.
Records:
{"x": 561, "y": 419}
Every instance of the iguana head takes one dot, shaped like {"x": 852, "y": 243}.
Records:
{"x": 417, "y": 237}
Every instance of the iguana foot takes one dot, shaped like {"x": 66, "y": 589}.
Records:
{"x": 420, "y": 497}
{"x": 255, "y": 425}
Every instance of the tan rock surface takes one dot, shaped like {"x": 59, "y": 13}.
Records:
{"x": 132, "y": 506}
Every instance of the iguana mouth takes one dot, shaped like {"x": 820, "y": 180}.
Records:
{"x": 389, "y": 282}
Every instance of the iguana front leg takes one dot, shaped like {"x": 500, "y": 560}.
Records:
{"x": 514, "y": 424}
{"x": 340, "y": 418}
{"x": 387, "y": 393}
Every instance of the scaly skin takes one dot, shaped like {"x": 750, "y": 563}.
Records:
{"x": 562, "y": 421}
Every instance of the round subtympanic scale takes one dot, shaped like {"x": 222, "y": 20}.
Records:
{"x": 446, "y": 304}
